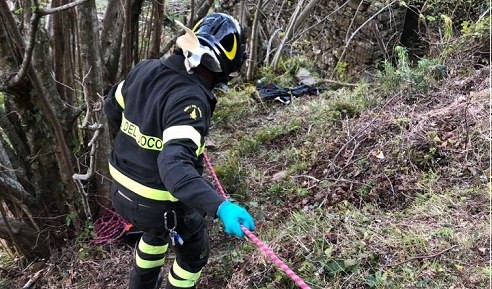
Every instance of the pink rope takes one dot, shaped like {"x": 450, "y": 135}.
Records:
{"x": 214, "y": 176}
{"x": 267, "y": 251}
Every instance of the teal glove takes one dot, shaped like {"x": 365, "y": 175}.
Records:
{"x": 233, "y": 216}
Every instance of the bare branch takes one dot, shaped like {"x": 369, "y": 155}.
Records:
{"x": 9, "y": 230}
{"x": 353, "y": 19}
{"x": 43, "y": 12}
{"x": 422, "y": 257}
{"x": 90, "y": 170}
{"x": 26, "y": 60}
{"x": 276, "y": 57}
{"x": 32, "y": 280}
{"x": 36, "y": 16}
{"x": 15, "y": 190}
{"x": 269, "y": 47}
{"x": 304, "y": 13}
{"x": 320, "y": 21}
{"x": 78, "y": 178}
{"x": 168, "y": 45}
{"x": 202, "y": 11}
{"x": 347, "y": 43}
{"x": 192, "y": 11}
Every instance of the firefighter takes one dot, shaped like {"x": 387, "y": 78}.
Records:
{"x": 162, "y": 111}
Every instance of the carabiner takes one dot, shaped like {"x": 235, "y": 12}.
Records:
{"x": 175, "y": 220}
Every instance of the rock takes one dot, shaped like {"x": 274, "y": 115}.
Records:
{"x": 279, "y": 176}
{"x": 305, "y": 77}
{"x": 210, "y": 144}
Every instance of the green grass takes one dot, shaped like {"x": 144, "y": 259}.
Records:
{"x": 344, "y": 247}
{"x": 407, "y": 77}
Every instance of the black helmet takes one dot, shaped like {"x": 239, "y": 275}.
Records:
{"x": 223, "y": 34}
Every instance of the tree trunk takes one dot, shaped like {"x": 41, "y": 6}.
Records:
{"x": 32, "y": 111}
{"x": 111, "y": 37}
{"x": 93, "y": 88}
{"x": 39, "y": 123}
{"x": 133, "y": 8}
{"x": 253, "y": 44}
{"x": 157, "y": 31}
{"x": 63, "y": 32}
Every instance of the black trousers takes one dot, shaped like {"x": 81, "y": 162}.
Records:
{"x": 148, "y": 216}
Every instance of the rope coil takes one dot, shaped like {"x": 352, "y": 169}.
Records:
{"x": 264, "y": 248}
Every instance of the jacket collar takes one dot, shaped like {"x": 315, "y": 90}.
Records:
{"x": 176, "y": 63}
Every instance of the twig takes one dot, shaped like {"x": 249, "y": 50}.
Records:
{"x": 32, "y": 280}
{"x": 347, "y": 181}
{"x": 353, "y": 20}
{"x": 306, "y": 176}
{"x": 298, "y": 35}
{"x": 86, "y": 98}
{"x": 484, "y": 14}
{"x": 421, "y": 257}
{"x": 391, "y": 184}
{"x": 26, "y": 60}
{"x": 36, "y": 276}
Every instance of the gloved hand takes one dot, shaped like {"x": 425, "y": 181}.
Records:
{"x": 233, "y": 216}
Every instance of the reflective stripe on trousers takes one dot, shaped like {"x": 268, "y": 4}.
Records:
{"x": 181, "y": 278}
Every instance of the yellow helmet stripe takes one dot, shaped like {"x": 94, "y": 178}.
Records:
{"x": 119, "y": 95}
{"x": 197, "y": 25}
{"x": 231, "y": 54}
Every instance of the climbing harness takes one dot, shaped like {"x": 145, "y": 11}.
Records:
{"x": 266, "y": 250}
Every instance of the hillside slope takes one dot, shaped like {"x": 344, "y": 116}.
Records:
{"x": 354, "y": 188}
{"x": 358, "y": 191}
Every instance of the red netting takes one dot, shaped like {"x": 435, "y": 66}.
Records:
{"x": 109, "y": 227}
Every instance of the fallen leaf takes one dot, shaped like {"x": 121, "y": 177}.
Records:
{"x": 378, "y": 154}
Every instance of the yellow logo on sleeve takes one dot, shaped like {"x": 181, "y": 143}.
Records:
{"x": 194, "y": 111}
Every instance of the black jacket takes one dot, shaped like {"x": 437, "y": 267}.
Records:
{"x": 163, "y": 114}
